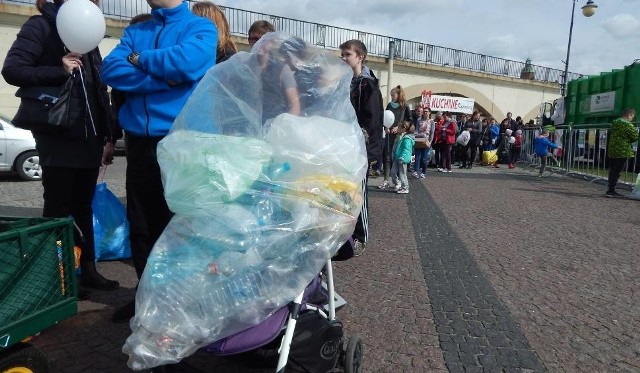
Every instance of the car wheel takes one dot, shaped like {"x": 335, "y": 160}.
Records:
{"x": 28, "y": 166}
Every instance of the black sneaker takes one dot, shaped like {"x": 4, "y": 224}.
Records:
{"x": 613, "y": 194}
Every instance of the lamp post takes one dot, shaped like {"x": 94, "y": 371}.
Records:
{"x": 387, "y": 150}
{"x": 588, "y": 10}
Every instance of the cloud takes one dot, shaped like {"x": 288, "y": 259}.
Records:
{"x": 622, "y": 25}
{"x": 502, "y": 46}
{"x": 500, "y": 28}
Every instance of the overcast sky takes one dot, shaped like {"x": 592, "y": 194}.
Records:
{"x": 512, "y": 29}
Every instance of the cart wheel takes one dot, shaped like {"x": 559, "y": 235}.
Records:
{"x": 353, "y": 355}
{"x": 24, "y": 358}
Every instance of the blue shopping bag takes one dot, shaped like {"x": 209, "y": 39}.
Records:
{"x": 110, "y": 225}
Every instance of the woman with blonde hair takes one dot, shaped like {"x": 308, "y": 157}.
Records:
{"x": 226, "y": 46}
{"x": 398, "y": 106}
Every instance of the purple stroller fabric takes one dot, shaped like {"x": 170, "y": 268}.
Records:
{"x": 264, "y": 332}
{"x": 251, "y": 338}
{"x": 345, "y": 252}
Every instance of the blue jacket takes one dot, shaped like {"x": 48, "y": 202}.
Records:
{"x": 491, "y": 134}
{"x": 542, "y": 145}
{"x": 176, "y": 50}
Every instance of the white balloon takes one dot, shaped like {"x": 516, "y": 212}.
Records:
{"x": 389, "y": 118}
{"x": 81, "y": 25}
{"x": 512, "y": 140}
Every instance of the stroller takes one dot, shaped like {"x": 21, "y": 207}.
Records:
{"x": 304, "y": 336}
{"x": 259, "y": 210}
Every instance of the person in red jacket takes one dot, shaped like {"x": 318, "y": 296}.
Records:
{"x": 437, "y": 141}
{"x": 446, "y": 134}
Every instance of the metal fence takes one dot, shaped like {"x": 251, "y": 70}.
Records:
{"x": 331, "y": 37}
{"x": 583, "y": 152}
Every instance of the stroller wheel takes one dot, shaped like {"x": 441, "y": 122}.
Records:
{"x": 353, "y": 355}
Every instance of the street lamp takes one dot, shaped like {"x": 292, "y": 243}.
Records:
{"x": 588, "y": 10}
{"x": 387, "y": 152}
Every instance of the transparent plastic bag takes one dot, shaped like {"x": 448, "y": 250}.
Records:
{"x": 263, "y": 198}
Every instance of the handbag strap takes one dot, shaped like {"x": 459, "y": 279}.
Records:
{"x": 86, "y": 100}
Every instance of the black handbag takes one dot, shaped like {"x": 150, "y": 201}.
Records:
{"x": 44, "y": 108}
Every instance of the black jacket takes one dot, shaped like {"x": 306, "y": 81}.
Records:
{"x": 367, "y": 102}
{"x": 476, "y": 131}
{"x": 224, "y": 54}
{"x": 35, "y": 59}
{"x": 402, "y": 114}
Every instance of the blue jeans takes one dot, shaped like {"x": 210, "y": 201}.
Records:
{"x": 423, "y": 158}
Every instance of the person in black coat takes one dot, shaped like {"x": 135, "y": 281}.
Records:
{"x": 367, "y": 103}
{"x": 70, "y": 157}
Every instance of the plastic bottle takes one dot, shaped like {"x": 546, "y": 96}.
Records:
{"x": 265, "y": 207}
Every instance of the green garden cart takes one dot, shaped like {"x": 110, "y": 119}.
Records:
{"x": 37, "y": 287}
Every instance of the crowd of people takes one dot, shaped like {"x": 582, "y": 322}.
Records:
{"x": 465, "y": 140}
{"x": 444, "y": 139}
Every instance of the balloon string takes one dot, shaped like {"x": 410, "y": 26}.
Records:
{"x": 86, "y": 100}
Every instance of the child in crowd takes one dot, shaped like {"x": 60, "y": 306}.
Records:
{"x": 542, "y": 145}
{"x": 504, "y": 147}
{"x": 516, "y": 149}
{"x": 367, "y": 103}
{"x": 402, "y": 150}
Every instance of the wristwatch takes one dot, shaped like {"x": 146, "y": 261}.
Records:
{"x": 132, "y": 56}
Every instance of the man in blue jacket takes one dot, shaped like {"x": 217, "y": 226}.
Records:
{"x": 157, "y": 65}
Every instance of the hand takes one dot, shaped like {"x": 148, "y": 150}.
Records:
{"x": 133, "y": 58}
{"x": 394, "y": 129}
{"x": 107, "y": 153}
{"x": 71, "y": 61}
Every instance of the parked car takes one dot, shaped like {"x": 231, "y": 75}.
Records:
{"x": 119, "y": 146}
{"x": 18, "y": 151}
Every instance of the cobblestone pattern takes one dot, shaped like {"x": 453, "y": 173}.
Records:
{"x": 563, "y": 258}
{"x": 476, "y": 331}
{"x": 387, "y": 294}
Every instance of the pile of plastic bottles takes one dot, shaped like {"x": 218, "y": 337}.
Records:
{"x": 261, "y": 202}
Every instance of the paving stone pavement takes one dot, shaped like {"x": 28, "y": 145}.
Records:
{"x": 475, "y": 329}
{"x": 563, "y": 259}
{"x": 482, "y": 270}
